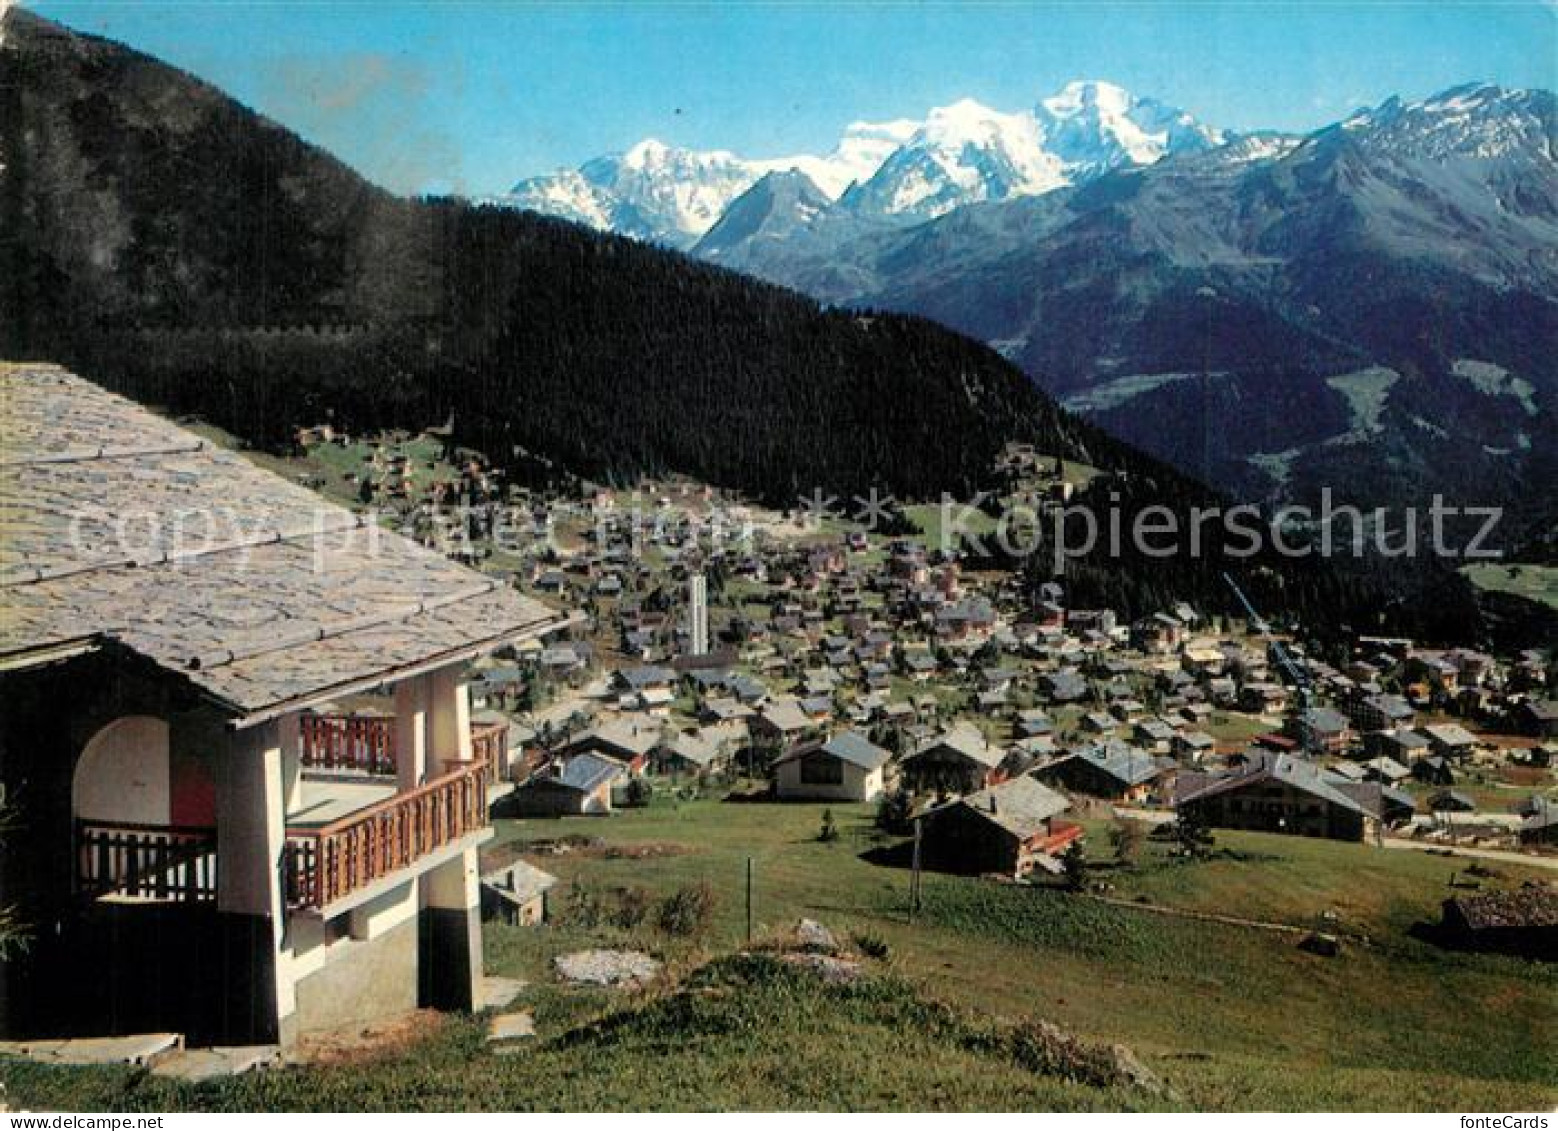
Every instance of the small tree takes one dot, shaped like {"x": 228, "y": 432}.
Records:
{"x": 1075, "y": 866}
{"x": 830, "y": 830}
{"x": 638, "y": 793}
{"x": 687, "y": 911}
{"x": 1192, "y": 834}
{"x": 1125, "y": 837}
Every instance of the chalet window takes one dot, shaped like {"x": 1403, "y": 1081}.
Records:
{"x": 822, "y": 771}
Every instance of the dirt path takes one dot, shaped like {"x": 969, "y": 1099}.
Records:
{"x": 1550, "y": 863}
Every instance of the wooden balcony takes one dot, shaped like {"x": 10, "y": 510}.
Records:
{"x": 490, "y": 747}
{"x": 365, "y": 744}
{"x": 325, "y": 865}
{"x": 145, "y": 862}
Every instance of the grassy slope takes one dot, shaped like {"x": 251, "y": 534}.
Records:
{"x": 1233, "y": 1018}
{"x": 1533, "y": 582}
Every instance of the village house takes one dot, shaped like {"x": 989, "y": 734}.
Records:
{"x": 1320, "y": 730}
{"x": 1521, "y": 921}
{"x": 217, "y": 854}
{"x": 578, "y": 786}
{"x": 1450, "y": 740}
{"x": 1113, "y": 770}
{"x": 1007, "y": 829}
{"x": 625, "y": 740}
{"x": 847, "y": 767}
{"x": 1279, "y": 793}
{"x": 956, "y": 761}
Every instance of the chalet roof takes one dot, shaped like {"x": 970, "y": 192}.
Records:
{"x": 1520, "y": 907}
{"x": 119, "y": 525}
{"x": 1298, "y": 773}
{"x": 854, "y": 748}
{"x": 1121, "y": 761}
{"x": 1020, "y": 806}
{"x": 586, "y": 772}
{"x": 965, "y": 740}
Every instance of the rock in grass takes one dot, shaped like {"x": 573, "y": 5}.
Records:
{"x": 607, "y": 967}
{"x": 813, "y": 936}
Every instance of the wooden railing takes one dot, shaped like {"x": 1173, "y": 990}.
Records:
{"x": 362, "y": 743}
{"x": 490, "y": 746}
{"x": 326, "y": 864}
{"x": 161, "y": 862}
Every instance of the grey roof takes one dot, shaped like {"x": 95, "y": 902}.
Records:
{"x": 520, "y": 881}
{"x": 1021, "y": 806}
{"x": 854, "y": 748}
{"x": 965, "y": 740}
{"x": 1298, "y": 773}
{"x": 585, "y": 772}
{"x": 1120, "y": 760}
{"x": 121, "y": 525}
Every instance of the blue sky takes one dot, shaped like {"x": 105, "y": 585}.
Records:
{"x": 470, "y": 97}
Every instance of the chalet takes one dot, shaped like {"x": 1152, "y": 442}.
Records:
{"x": 1521, "y": 921}
{"x": 1538, "y": 717}
{"x": 1320, "y": 730}
{"x": 1263, "y": 698}
{"x": 217, "y": 855}
{"x": 1192, "y": 745}
{"x": 1540, "y": 823}
{"x": 847, "y": 767}
{"x": 1279, "y": 793}
{"x": 692, "y": 752}
{"x": 1160, "y": 633}
{"x": 1153, "y": 735}
{"x": 623, "y": 740}
{"x": 578, "y": 786}
{"x": 1434, "y": 770}
{"x": 1113, "y": 770}
{"x": 1007, "y": 829}
{"x": 1389, "y": 806}
{"x": 1451, "y": 801}
{"x": 1063, "y": 686}
{"x": 1098, "y": 722}
{"x": 1381, "y": 712}
{"x": 781, "y": 721}
{"x": 956, "y": 761}
{"x": 1450, "y": 740}
{"x": 1405, "y": 746}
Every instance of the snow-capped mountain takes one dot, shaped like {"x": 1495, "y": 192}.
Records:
{"x": 1092, "y": 127}
{"x": 901, "y": 170}
{"x": 962, "y": 154}
{"x": 673, "y": 195}
{"x": 1393, "y": 277}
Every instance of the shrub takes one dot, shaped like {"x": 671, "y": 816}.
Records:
{"x": 633, "y": 905}
{"x": 1074, "y": 861}
{"x": 581, "y": 907}
{"x": 830, "y": 829}
{"x": 688, "y": 910}
{"x": 872, "y": 945}
{"x": 638, "y": 793}
{"x": 1125, "y": 837}
{"x": 893, "y": 812}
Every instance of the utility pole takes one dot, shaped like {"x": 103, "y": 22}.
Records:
{"x": 914, "y": 875}
{"x": 749, "y": 901}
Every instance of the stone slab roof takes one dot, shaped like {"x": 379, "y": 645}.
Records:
{"x": 117, "y": 524}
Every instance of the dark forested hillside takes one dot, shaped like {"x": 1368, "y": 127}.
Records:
{"x": 169, "y": 243}
{"x": 175, "y": 245}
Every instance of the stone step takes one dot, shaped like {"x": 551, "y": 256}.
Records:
{"x": 195, "y": 1065}
{"x": 511, "y": 1026}
{"x": 145, "y": 1049}
{"x": 497, "y": 992}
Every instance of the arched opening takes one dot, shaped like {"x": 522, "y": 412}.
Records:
{"x": 133, "y": 809}
{"x": 122, "y": 776}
